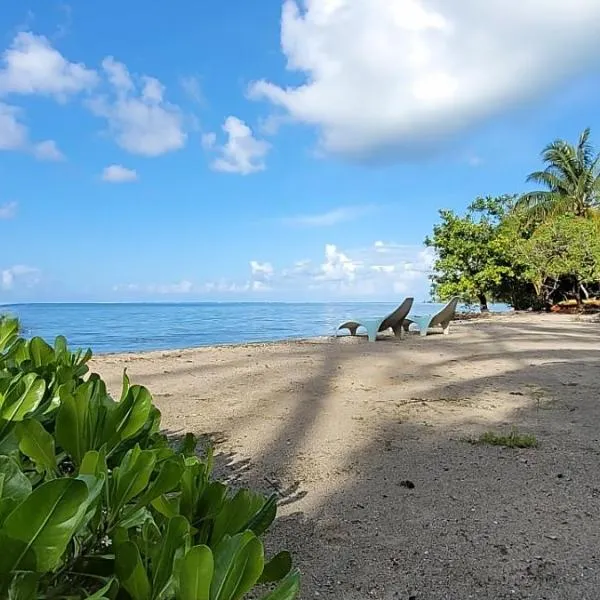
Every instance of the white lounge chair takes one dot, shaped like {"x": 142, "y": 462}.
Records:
{"x": 394, "y": 321}
{"x": 427, "y": 322}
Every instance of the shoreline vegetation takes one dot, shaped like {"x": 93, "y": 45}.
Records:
{"x": 533, "y": 250}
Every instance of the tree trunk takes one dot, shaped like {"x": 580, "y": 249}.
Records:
{"x": 483, "y": 306}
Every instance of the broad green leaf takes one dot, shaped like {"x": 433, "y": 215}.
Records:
{"x": 131, "y": 413}
{"x": 125, "y": 386}
{"x": 60, "y": 346}
{"x": 287, "y": 589}
{"x": 277, "y": 568}
{"x": 195, "y": 575}
{"x": 135, "y": 518}
{"x": 40, "y": 352}
{"x": 95, "y": 485}
{"x": 165, "y": 506}
{"x": 239, "y": 562}
{"x": 9, "y": 332}
{"x": 15, "y": 486}
{"x": 71, "y": 424}
{"x": 131, "y": 572}
{"x": 45, "y": 522}
{"x": 94, "y": 463}
{"x": 23, "y": 397}
{"x": 236, "y": 512}
{"x": 36, "y": 443}
{"x": 172, "y": 546}
{"x": 261, "y": 521}
{"x": 167, "y": 479}
{"x": 131, "y": 477}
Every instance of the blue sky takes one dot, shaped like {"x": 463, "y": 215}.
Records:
{"x": 269, "y": 150}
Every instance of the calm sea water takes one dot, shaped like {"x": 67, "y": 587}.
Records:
{"x": 137, "y": 327}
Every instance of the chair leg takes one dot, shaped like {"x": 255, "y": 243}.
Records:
{"x": 398, "y": 331}
{"x": 372, "y": 332}
{"x": 423, "y": 324}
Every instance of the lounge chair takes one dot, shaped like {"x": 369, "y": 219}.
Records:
{"x": 373, "y": 326}
{"x": 426, "y": 322}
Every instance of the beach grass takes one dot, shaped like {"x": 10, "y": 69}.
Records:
{"x": 514, "y": 439}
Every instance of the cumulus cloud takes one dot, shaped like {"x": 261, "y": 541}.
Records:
{"x": 8, "y": 210}
{"x": 19, "y": 276}
{"x": 382, "y": 270}
{"x": 138, "y": 116}
{"x": 32, "y": 66}
{"x": 329, "y": 218}
{"x": 395, "y": 78}
{"x": 119, "y": 174}
{"x": 13, "y": 133}
{"x": 241, "y": 153}
{"x": 47, "y": 150}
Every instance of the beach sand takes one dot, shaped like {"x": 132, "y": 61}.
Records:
{"x": 337, "y": 428}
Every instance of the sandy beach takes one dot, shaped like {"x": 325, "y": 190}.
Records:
{"x": 342, "y": 429}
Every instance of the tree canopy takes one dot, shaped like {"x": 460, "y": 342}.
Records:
{"x": 530, "y": 250}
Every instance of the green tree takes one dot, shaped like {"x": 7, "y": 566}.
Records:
{"x": 470, "y": 261}
{"x": 562, "y": 258}
{"x": 571, "y": 179}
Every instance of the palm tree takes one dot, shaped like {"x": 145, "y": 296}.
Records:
{"x": 572, "y": 179}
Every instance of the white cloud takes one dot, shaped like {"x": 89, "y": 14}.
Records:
{"x": 119, "y": 174}
{"x": 397, "y": 77}
{"x": 209, "y": 140}
{"x": 13, "y": 134}
{"x": 138, "y": 116}
{"x": 336, "y": 216}
{"x": 19, "y": 276}
{"x": 182, "y": 287}
{"x": 380, "y": 271}
{"x": 32, "y": 66}
{"x": 261, "y": 270}
{"x": 8, "y": 210}
{"x": 191, "y": 86}
{"x": 242, "y": 153}
{"x": 48, "y": 151}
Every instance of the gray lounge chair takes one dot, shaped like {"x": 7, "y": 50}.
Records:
{"x": 394, "y": 321}
{"x": 441, "y": 318}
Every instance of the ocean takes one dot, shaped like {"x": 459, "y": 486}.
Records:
{"x": 140, "y": 327}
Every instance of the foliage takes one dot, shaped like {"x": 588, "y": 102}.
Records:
{"x": 572, "y": 179}
{"x": 94, "y": 503}
{"x": 565, "y": 251}
{"x": 470, "y": 262}
{"x": 532, "y": 251}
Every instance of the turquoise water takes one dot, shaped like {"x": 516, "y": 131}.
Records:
{"x": 137, "y": 327}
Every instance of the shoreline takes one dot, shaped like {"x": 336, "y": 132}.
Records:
{"x": 457, "y": 321}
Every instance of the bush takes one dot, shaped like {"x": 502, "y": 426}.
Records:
{"x": 95, "y": 503}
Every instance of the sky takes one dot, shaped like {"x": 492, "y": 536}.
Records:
{"x": 293, "y": 151}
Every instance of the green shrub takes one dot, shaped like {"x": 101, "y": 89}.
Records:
{"x": 95, "y": 503}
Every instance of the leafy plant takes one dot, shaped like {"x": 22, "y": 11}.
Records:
{"x": 95, "y": 502}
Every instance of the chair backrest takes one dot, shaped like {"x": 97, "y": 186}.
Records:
{"x": 398, "y": 315}
{"x": 447, "y": 313}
